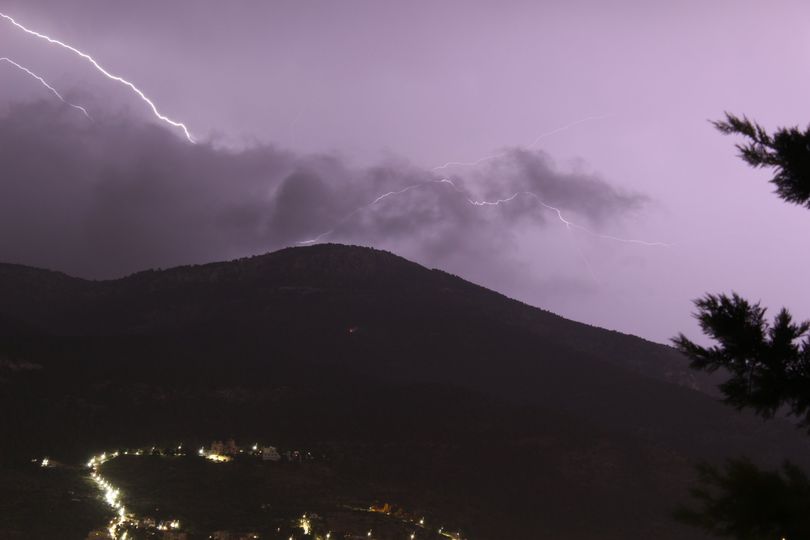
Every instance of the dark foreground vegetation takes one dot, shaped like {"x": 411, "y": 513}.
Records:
{"x": 765, "y": 366}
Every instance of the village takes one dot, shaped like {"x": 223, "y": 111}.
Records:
{"x": 377, "y": 521}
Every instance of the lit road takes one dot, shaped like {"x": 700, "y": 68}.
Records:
{"x": 124, "y": 521}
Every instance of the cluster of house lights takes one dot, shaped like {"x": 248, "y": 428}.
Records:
{"x": 112, "y": 496}
{"x": 124, "y": 518}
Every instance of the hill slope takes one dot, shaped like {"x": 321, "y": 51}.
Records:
{"x": 529, "y": 422}
{"x": 325, "y": 289}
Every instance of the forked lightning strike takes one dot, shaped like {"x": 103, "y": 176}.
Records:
{"x": 45, "y": 84}
{"x": 104, "y": 72}
{"x": 351, "y": 214}
{"x": 534, "y": 143}
{"x": 570, "y": 225}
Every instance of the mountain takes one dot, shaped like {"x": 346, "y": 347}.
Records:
{"x": 328, "y": 289}
{"x": 510, "y": 418}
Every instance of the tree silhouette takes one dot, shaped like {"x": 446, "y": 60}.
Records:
{"x": 768, "y": 363}
{"x": 742, "y": 501}
{"x": 787, "y": 151}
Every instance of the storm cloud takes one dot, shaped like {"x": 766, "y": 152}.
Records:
{"x": 115, "y": 195}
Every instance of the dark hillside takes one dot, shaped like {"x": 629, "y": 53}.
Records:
{"x": 511, "y": 418}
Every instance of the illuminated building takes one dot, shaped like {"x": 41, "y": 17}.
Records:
{"x": 270, "y": 453}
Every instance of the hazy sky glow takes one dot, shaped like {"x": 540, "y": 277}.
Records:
{"x": 308, "y": 110}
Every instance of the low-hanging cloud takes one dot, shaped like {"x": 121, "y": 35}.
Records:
{"x": 117, "y": 195}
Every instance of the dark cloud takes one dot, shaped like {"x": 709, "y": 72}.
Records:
{"x": 585, "y": 194}
{"x": 116, "y": 195}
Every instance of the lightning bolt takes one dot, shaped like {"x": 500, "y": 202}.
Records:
{"x": 532, "y": 144}
{"x": 570, "y": 225}
{"x": 565, "y": 221}
{"x": 45, "y": 84}
{"x": 104, "y": 72}
{"x": 354, "y": 212}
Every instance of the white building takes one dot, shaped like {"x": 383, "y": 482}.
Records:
{"x": 270, "y": 453}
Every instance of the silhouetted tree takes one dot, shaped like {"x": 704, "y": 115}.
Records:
{"x": 742, "y": 501}
{"x": 768, "y": 363}
{"x": 787, "y": 151}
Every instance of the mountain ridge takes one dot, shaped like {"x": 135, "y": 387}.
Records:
{"x": 348, "y": 266}
{"x": 413, "y": 375}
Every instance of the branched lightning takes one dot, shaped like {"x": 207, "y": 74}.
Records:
{"x": 532, "y": 144}
{"x": 359, "y": 209}
{"x": 569, "y": 126}
{"x": 104, "y": 72}
{"x": 478, "y": 203}
{"x": 44, "y": 83}
{"x": 570, "y": 225}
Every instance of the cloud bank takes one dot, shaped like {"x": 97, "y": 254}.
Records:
{"x": 117, "y": 195}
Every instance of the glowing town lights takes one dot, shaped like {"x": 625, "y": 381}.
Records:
{"x": 112, "y": 496}
{"x": 44, "y": 83}
{"x": 305, "y": 524}
{"x": 104, "y": 72}
{"x": 45, "y": 462}
{"x": 124, "y": 522}
{"x": 218, "y": 458}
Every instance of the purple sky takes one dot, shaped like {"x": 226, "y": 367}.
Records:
{"x": 388, "y": 90}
